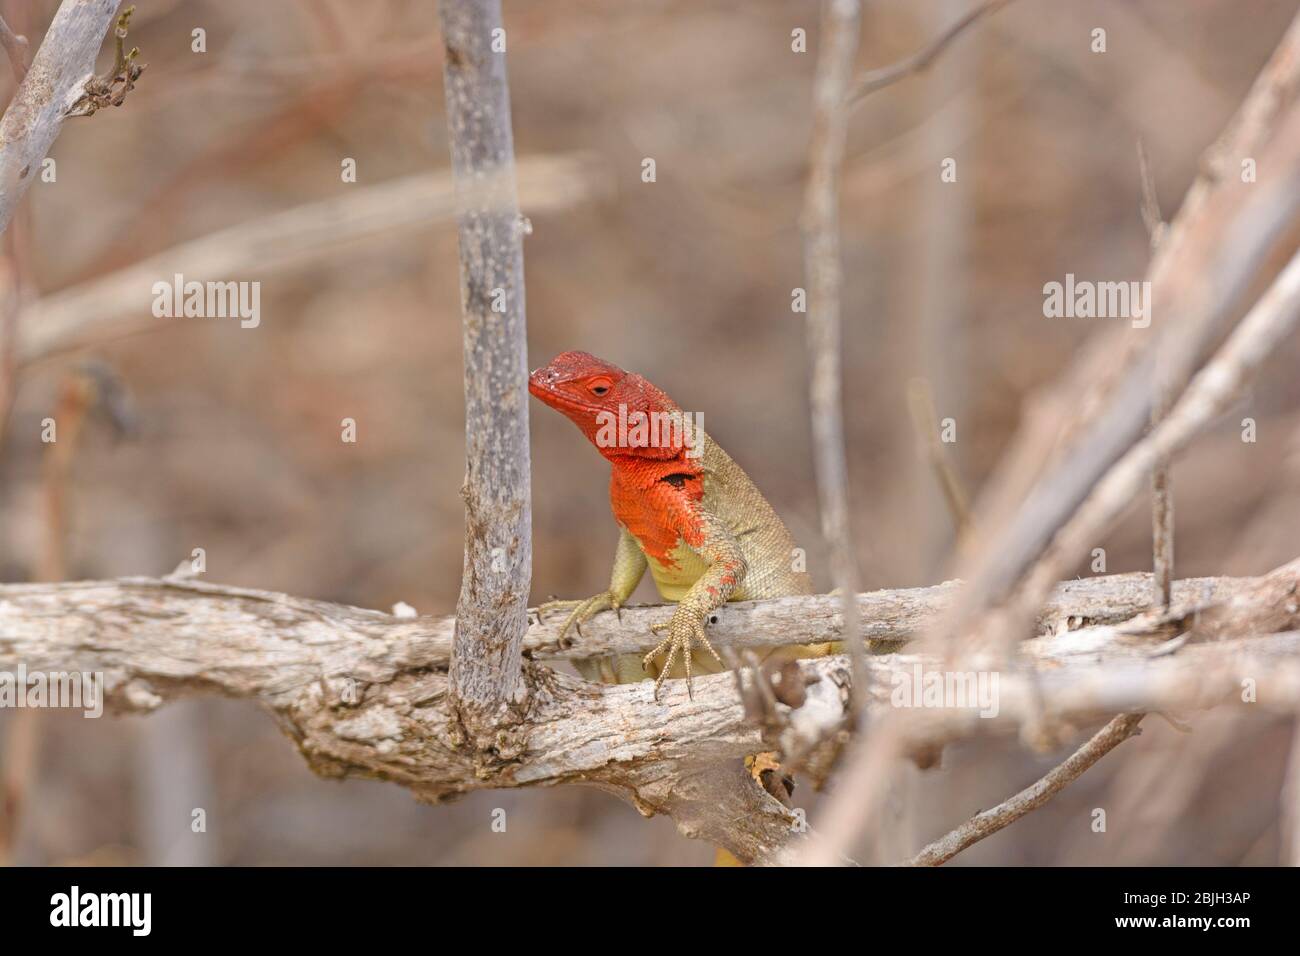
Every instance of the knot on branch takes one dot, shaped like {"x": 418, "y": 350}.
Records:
{"x": 498, "y": 738}
{"x": 110, "y": 88}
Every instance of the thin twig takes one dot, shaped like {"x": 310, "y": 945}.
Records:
{"x": 15, "y": 270}
{"x": 873, "y": 80}
{"x": 1162, "y": 516}
{"x": 1290, "y": 798}
{"x": 874, "y": 752}
{"x": 841, "y": 23}
{"x": 10, "y": 304}
{"x": 1150, "y": 206}
{"x": 926, "y": 423}
{"x": 987, "y": 822}
{"x": 76, "y": 398}
{"x": 1162, "y": 500}
{"x": 22, "y": 741}
{"x": 24, "y": 733}
{"x": 16, "y": 47}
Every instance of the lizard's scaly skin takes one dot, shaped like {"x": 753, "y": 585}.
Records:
{"x": 686, "y": 511}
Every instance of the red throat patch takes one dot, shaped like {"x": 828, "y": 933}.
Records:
{"x": 658, "y": 502}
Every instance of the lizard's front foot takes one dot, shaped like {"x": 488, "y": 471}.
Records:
{"x": 580, "y": 611}
{"x": 685, "y": 628}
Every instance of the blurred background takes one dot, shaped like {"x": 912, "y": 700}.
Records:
{"x": 234, "y": 438}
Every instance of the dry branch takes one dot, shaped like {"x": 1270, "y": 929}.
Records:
{"x": 892, "y": 616}
{"x": 1226, "y": 240}
{"x": 841, "y": 24}
{"x": 925, "y": 423}
{"x": 24, "y": 731}
{"x": 55, "y": 80}
{"x": 1273, "y": 317}
{"x": 987, "y": 822}
{"x": 118, "y": 304}
{"x": 492, "y": 612}
{"x": 1245, "y": 229}
{"x": 1162, "y": 497}
{"x": 1213, "y": 248}
{"x": 1100, "y": 670}
{"x": 11, "y": 293}
{"x": 1150, "y": 205}
{"x": 1290, "y": 798}
{"x": 365, "y": 694}
{"x": 15, "y": 48}
{"x": 873, "y": 80}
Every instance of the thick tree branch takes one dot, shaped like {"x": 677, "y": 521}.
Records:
{"x": 1083, "y": 608}
{"x": 366, "y": 694}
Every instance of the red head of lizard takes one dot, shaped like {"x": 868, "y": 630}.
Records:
{"x": 598, "y": 397}
{"x": 654, "y": 487}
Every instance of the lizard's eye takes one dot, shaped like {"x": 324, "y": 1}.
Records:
{"x": 599, "y": 387}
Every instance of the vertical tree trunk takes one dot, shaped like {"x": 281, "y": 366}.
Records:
{"x": 491, "y": 615}
{"x": 841, "y": 22}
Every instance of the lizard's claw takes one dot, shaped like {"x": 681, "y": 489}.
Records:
{"x": 580, "y": 611}
{"x": 684, "y": 630}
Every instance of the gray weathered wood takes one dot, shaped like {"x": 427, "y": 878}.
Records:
{"x": 55, "y": 80}
{"x": 841, "y": 23}
{"x": 1076, "y": 612}
{"x": 492, "y": 610}
{"x": 365, "y": 694}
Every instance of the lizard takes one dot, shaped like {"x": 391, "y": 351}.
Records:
{"x": 686, "y": 512}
